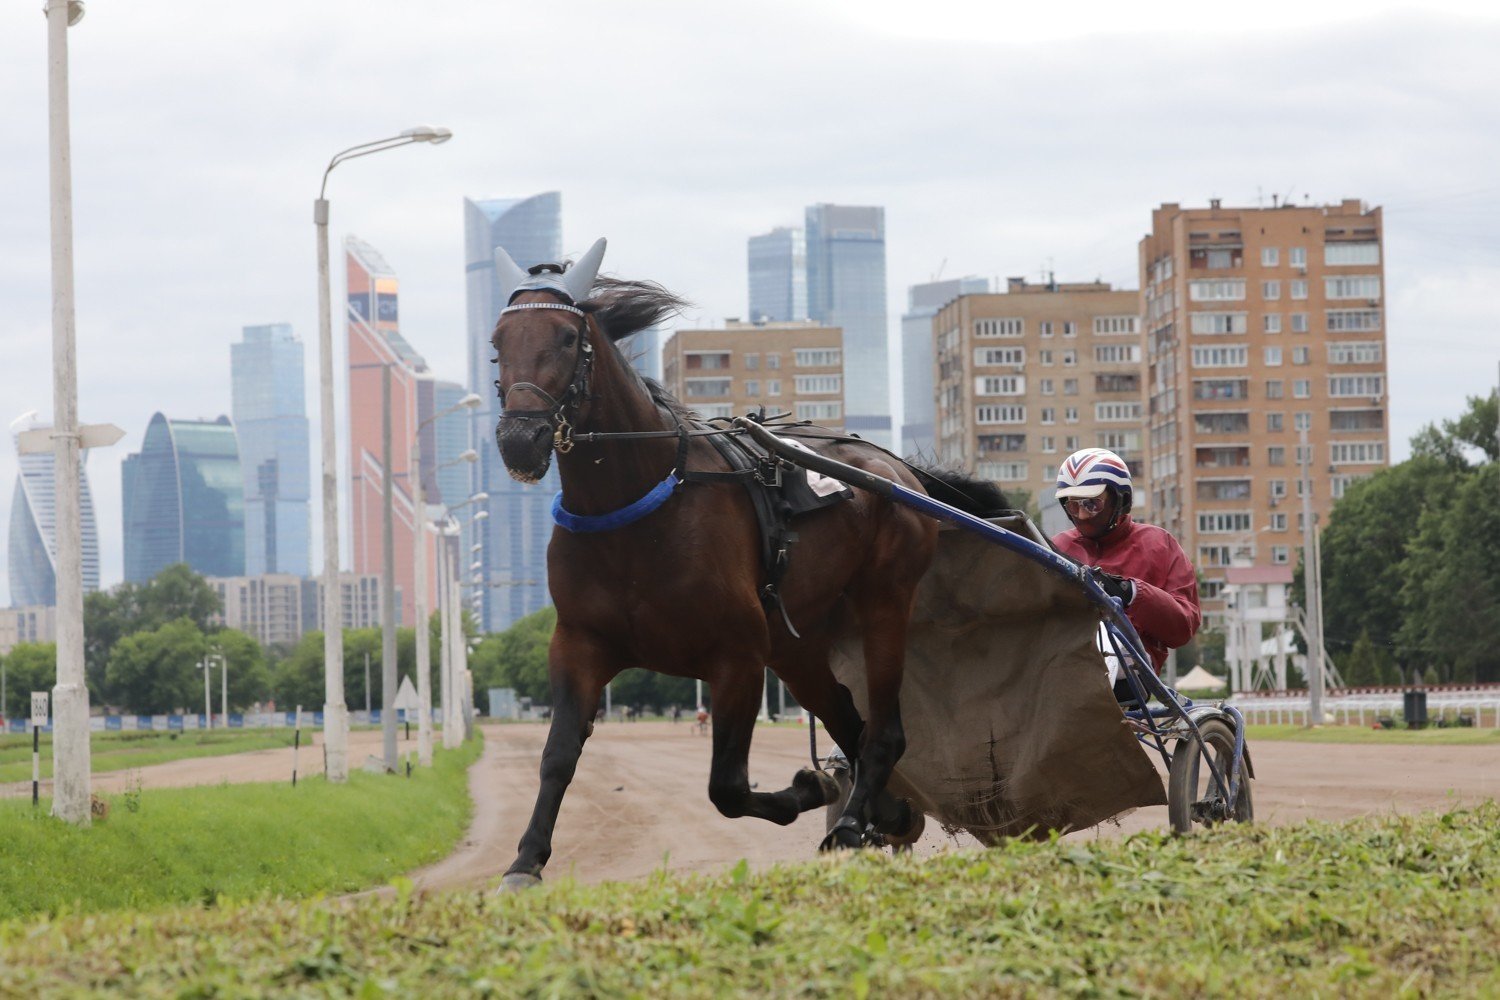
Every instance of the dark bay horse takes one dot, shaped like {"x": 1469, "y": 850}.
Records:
{"x": 677, "y": 590}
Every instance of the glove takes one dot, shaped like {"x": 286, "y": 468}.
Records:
{"x": 1116, "y": 586}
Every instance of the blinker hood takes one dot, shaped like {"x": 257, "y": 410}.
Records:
{"x": 574, "y": 284}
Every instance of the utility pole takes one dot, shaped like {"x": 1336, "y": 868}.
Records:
{"x": 387, "y": 579}
{"x": 1311, "y": 582}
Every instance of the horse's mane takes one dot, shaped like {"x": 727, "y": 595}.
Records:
{"x": 622, "y": 308}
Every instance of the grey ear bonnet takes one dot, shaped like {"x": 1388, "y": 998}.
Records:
{"x": 574, "y": 284}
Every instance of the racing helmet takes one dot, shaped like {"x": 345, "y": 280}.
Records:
{"x": 1088, "y": 473}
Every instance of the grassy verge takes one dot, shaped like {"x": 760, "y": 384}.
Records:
{"x": 163, "y": 846}
{"x": 119, "y": 751}
{"x": 1361, "y": 734}
{"x": 1378, "y": 907}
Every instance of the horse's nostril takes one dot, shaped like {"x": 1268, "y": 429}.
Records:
{"x": 541, "y": 435}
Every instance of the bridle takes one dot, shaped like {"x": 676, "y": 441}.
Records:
{"x": 557, "y": 409}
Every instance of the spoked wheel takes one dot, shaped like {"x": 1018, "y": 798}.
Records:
{"x": 1193, "y": 797}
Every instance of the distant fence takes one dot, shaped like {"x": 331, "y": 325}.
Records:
{"x": 1367, "y": 706}
{"x": 237, "y": 720}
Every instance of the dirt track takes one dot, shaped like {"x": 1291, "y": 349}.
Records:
{"x": 640, "y": 796}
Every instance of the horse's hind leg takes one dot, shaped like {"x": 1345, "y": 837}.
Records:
{"x": 579, "y": 670}
{"x": 736, "y": 700}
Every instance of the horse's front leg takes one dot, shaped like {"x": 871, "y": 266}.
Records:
{"x": 579, "y": 668}
{"x": 736, "y": 693}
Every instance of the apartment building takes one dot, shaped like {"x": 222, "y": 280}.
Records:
{"x": 1260, "y": 323}
{"x": 792, "y": 367}
{"x": 36, "y": 623}
{"x": 1030, "y": 375}
{"x": 279, "y": 608}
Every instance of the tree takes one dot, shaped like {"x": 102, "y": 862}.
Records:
{"x": 176, "y": 592}
{"x": 517, "y": 657}
{"x": 154, "y": 672}
{"x": 1473, "y": 431}
{"x": 30, "y": 666}
{"x": 298, "y": 678}
{"x": 249, "y": 677}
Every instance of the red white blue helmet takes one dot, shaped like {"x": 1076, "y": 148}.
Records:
{"x": 1086, "y": 473}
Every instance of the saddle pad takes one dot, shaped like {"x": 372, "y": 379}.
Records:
{"x": 1010, "y": 722}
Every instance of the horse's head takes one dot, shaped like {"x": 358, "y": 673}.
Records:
{"x": 543, "y": 347}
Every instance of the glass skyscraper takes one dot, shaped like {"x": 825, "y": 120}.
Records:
{"x": 513, "y": 540}
{"x": 846, "y": 288}
{"x": 184, "y": 499}
{"x": 918, "y": 392}
{"x": 778, "y": 276}
{"x": 448, "y": 437}
{"x": 33, "y": 527}
{"x": 270, "y": 417}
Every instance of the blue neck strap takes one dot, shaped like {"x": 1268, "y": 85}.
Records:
{"x": 583, "y": 523}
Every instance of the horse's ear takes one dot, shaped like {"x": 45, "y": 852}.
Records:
{"x": 579, "y": 279}
{"x": 508, "y": 273}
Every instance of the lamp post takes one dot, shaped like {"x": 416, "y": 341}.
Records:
{"x": 1310, "y": 587}
{"x": 424, "y": 652}
{"x": 335, "y": 712}
{"x": 449, "y": 617}
{"x": 206, "y": 665}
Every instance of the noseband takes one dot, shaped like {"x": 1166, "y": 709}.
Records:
{"x": 557, "y": 409}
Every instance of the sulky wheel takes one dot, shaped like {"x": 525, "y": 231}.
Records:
{"x": 835, "y": 809}
{"x": 1192, "y": 795}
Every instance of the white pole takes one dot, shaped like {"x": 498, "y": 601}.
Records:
{"x": 224, "y": 690}
{"x": 1310, "y": 584}
{"x": 423, "y": 629}
{"x": 387, "y": 580}
{"x": 335, "y": 712}
{"x": 453, "y": 733}
{"x": 71, "y": 783}
{"x": 208, "y": 670}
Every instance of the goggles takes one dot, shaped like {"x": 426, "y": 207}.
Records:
{"x": 1084, "y": 508}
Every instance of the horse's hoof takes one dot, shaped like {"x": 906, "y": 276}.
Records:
{"x": 911, "y": 834}
{"x": 846, "y": 835}
{"x": 519, "y": 881}
{"x": 820, "y": 787}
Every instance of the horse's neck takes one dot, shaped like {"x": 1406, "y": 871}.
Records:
{"x": 603, "y": 476}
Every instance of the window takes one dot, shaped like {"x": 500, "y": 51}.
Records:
{"x": 1355, "y": 352}
{"x": 1000, "y": 414}
{"x": 1002, "y": 442}
{"x": 812, "y": 385}
{"x": 1070, "y": 387}
{"x": 1275, "y": 421}
{"x": 1298, "y": 289}
{"x": 1049, "y": 415}
{"x": 1215, "y": 322}
{"x": 701, "y": 388}
{"x": 1302, "y": 421}
{"x": 1270, "y": 256}
{"x": 1222, "y": 457}
{"x": 1281, "y": 555}
{"x": 1045, "y": 328}
{"x": 773, "y": 387}
{"x": 1351, "y": 253}
{"x": 1278, "y": 490}
{"x": 1117, "y": 353}
{"x": 1047, "y": 387}
{"x": 1356, "y": 420}
{"x": 1220, "y": 357}
{"x": 1045, "y": 357}
{"x": 1356, "y": 385}
{"x": 1070, "y": 416}
{"x": 999, "y": 355}
{"x": 1217, "y": 290}
{"x": 1300, "y": 355}
{"x": 1356, "y": 452}
{"x": 1213, "y": 555}
{"x": 1049, "y": 443}
{"x": 706, "y": 360}
{"x": 1005, "y": 472}
{"x": 999, "y": 327}
{"x": 1278, "y": 521}
{"x": 713, "y": 411}
{"x": 1297, "y": 257}
{"x": 1118, "y": 442}
{"x": 1113, "y": 382}
{"x": 1276, "y": 455}
{"x": 1223, "y": 521}
{"x": 1218, "y": 422}
{"x": 1355, "y": 286}
{"x": 1271, "y": 356}
{"x": 1114, "y": 412}
{"x": 1353, "y": 320}
{"x": 1071, "y": 442}
{"x": 773, "y": 360}
{"x": 1275, "y": 388}
{"x": 1301, "y": 388}
{"x": 820, "y": 411}
{"x": 1049, "y": 473}
{"x": 1299, "y": 322}
{"x": 1070, "y": 328}
{"x": 1223, "y": 489}
{"x": 752, "y": 387}
{"x": 1271, "y": 323}
{"x": 1070, "y": 357}
{"x": 1108, "y": 326}
{"x": 752, "y": 361}
{"x": 1270, "y": 290}
{"x": 1000, "y": 385}
{"x": 1221, "y": 388}
{"x": 817, "y": 357}
{"x": 1337, "y": 485}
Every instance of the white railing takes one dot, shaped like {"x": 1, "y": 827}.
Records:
{"x": 1367, "y": 706}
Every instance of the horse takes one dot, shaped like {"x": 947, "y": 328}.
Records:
{"x": 666, "y": 575}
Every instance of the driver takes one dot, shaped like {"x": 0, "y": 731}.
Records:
{"x": 1141, "y": 564}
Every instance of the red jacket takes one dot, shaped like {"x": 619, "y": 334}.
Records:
{"x": 1165, "y": 608}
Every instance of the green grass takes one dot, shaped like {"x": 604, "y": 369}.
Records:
{"x": 1359, "y": 734}
{"x": 180, "y": 845}
{"x": 1395, "y": 906}
{"x": 119, "y": 751}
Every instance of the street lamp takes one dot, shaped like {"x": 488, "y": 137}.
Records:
{"x": 335, "y": 712}
{"x": 424, "y": 653}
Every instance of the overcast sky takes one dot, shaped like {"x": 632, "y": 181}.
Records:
{"x": 999, "y": 142}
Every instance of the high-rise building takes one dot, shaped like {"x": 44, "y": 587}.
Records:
{"x": 33, "y": 526}
{"x": 846, "y": 289}
{"x": 919, "y": 394}
{"x": 512, "y": 578}
{"x": 795, "y": 367}
{"x": 270, "y": 417}
{"x": 184, "y": 500}
{"x": 1260, "y": 323}
{"x": 376, "y": 346}
{"x": 643, "y": 351}
{"x": 1029, "y": 376}
{"x": 445, "y": 440}
{"x": 778, "y": 276}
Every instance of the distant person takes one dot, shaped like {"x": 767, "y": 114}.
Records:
{"x": 702, "y": 719}
{"x": 676, "y": 713}
{"x": 1142, "y": 564}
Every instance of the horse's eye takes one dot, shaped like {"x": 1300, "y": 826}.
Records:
{"x": 495, "y": 360}
{"x": 570, "y": 340}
